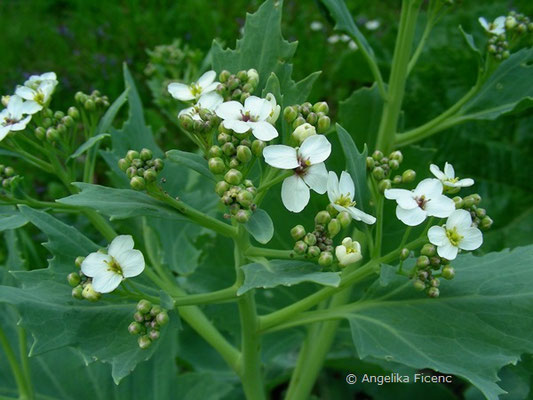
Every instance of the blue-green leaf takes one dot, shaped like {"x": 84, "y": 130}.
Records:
{"x": 192, "y": 161}
{"x": 88, "y": 144}
{"x": 260, "y": 226}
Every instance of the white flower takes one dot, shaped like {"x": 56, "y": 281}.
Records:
{"x": 307, "y": 162}
{"x": 425, "y": 200}
{"x": 274, "y": 114}
{"x": 345, "y": 38}
{"x": 348, "y": 252}
{"x": 120, "y": 262}
{"x": 316, "y": 25}
{"x": 209, "y": 101}
{"x": 195, "y": 90}
{"x": 448, "y": 178}
{"x": 458, "y": 233}
{"x": 352, "y": 45}
{"x": 34, "y": 81}
{"x": 495, "y": 28}
{"x": 13, "y": 117}
{"x": 372, "y": 24}
{"x": 333, "y": 39}
{"x": 40, "y": 95}
{"x": 253, "y": 115}
{"x": 341, "y": 193}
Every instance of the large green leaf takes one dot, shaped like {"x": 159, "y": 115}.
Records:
{"x": 260, "y": 226}
{"x": 11, "y": 218}
{"x": 191, "y": 160}
{"x": 285, "y": 272}
{"x": 480, "y": 323}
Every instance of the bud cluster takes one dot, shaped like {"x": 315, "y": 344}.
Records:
{"x": 237, "y": 195}
{"x": 82, "y": 286}
{"x": 204, "y": 124}
{"x": 56, "y": 124}
{"x": 93, "y": 101}
{"x": 428, "y": 268}
{"x": 382, "y": 168}
{"x": 7, "y": 177}
{"x": 479, "y": 215}
{"x": 140, "y": 167}
{"x": 148, "y": 319}
{"x": 313, "y": 114}
{"x": 498, "y": 47}
{"x": 318, "y": 244}
{"x": 237, "y": 86}
{"x": 518, "y": 22}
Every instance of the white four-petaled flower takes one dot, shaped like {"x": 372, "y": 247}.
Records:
{"x": 40, "y": 95}
{"x": 341, "y": 193}
{"x": 348, "y": 252}
{"x": 307, "y": 162}
{"x": 120, "y": 262}
{"x": 458, "y": 233}
{"x": 425, "y": 200}
{"x": 448, "y": 178}
{"x": 495, "y": 28}
{"x": 17, "y": 115}
{"x": 254, "y": 115}
{"x": 34, "y": 81}
{"x": 209, "y": 101}
{"x": 205, "y": 84}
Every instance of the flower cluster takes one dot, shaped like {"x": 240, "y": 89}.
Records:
{"x": 140, "y": 167}
{"x": 504, "y": 29}
{"x": 315, "y": 115}
{"x": 381, "y": 167}
{"x": 148, "y": 320}
{"x": 16, "y": 115}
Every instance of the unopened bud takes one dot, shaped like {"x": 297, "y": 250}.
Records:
{"x": 325, "y": 259}
{"x": 224, "y": 75}
{"x": 144, "y": 306}
{"x": 52, "y": 134}
{"x": 322, "y": 217}
{"x": 89, "y": 293}
{"x": 303, "y": 131}
{"x": 428, "y": 250}
{"x": 77, "y": 292}
{"x": 384, "y": 185}
{"x": 298, "y": 232}
{"x": 144, "y": 342}
{"x": 221, "y": 187}
{"x": 378, "y": 173}
{"x": 334, "y": 227}
{"x": 344, "y": 218}
{"x": 233, "y": 177}
{"x": 244, "y": 154}
{"x": 78, "y": 261}
{"x": 154, "y": 334}
{"x": 297, "y": 122}
{"x": 134, "y": 328}
{"x": 253, "y": 76}
{"x": 146, "y": 154}
{"x": 290, "y": 114}
{"x": 162, "y": 318}
{"x": 214, "y": 151}
{"x": 323, "y": 124}
{"x": 216, "y": 165}
{"x": 137, "y": 183}
{"x": 422, "y": 262}
{"x": 486, "y": 223}
{"x": 245, "y": 198}
{"x": 510, "y": 22}
{"x": 242, "y": 216}
{"x": 459, "y": 203}
{"x": 257, "y": 147}
{"x": 73, "y": 112}
{"x": 310, "y": 239}
{"x": 394, "y": 164}
{"x": 448, "y": 272}
{"x": 89, "y": 105}
{"x": 73, "y": 279}
{"x": 419, "y": 285}
{"x": 408, "y": 176}
{"x": 404, "y": 254}
{"x": 433, "y": 292}
{"x": 321, "y": 106}
{"x": 300, "y": 247}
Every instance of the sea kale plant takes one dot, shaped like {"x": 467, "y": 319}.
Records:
{"x": 227, "y": 271}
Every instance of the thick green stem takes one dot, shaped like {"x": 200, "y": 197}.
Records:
{"x": 219, "y": 296}
{"x": 398, "y": 76}
{"x": 253, "y": 251}
{"x": 101, "y": 224}
{"x": 23, "y": 350}
{"x": 24, "y": 391}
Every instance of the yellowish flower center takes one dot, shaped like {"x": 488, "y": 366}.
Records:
{"x": 453, "y": 236}
{"x": 114, "y": 267}
{"x": 196, "y": 89}
{"x": 39, "y": 98}
{"x": 345, "y": 201}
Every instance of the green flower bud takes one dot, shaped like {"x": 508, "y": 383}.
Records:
{"x": 334, "y": 227}
{"x": 233, "y": 177}
{"x": 146, "y": 154}
{"x": 384, "y": 185}
{"x": 298, "y": 232}
{"x": 244, "y": 154}
{"x": 312, "y": 118}
{"x": 448, "y": 272}
{"x": 468, "y": 201}
{"x": 123, "y": 164}
{"x": 422, "y": 262}
{"x": 162, "y": 318}
{"x": 216, "y": 165}
{"x": 428, "y": 250}
{"x": 234, "y": 163}
{"x": 215, "y": 151}
{"x": 245, "y": 198}
{"x": 435, "y": 262}
{"x": 73, "y": 279}
{"x": 459, "y": 203}
{"x": 419, "y": 285}
{"x": 159, "y": 164}
{"x": 131, "y": 155}
{"x": 89, "y": 105}
{"x": 434, "y": 282}
{"x": 77, "y": 292}
{"x": 510, "y": 22}
{"x": 377, "y": 155}
{"x": 325, "y": 259}
{"x": 481, "y": 212}
{"x": 59, "y": 114}
{"x": 224, "y": 76}
{"x": 154, "y": 334}
{"x": 89, "y": 293}
{"x": 344, "y": 218}
{"x": 486, "y": 223}
{"x": 404, "y": 254}
{"x": 40, "y": 133}
{"x": 156, "y": 309}
{"x": 433, "y": 292}
{"x": 322, "y": 218}
{"x": 396, "y": 155}
{"x": 313, "y": 251}
{"x": 242, "y": 216}
{"x": 221, "y": 187}
{"x": 477, "y": 198}
{"x": 378, "y": 173}
{"x": 9, "y": 171}
{"x": 52, "y": 134}
{"x": 228, "y": 149}
{"x": 300, "y": 247}
{"x": 257, "y": 147}
{"x": 303, "y": 131}
{"x": 139, "y": 317}
{"x": 144, "y": 342}
{"x": 150, "y": 175}
{"x": 68, "y": 121}
{"x": 131, "y": 172}
{"x": 423, "y": 275}
{"x": 290, "y": 114}
{"x": 297, "y": 122}
{"x": 144, "y": 306}
{"x": 408, "y": 176}
{"x": 370, "y": 163}
{"x": 321, "y": 106}
{"x": 134, "y": 328}
{"x": 332, "y": 210}
{"x": 521, "y": 28}
{"x": 73, "y": 112}
{"x": 253, "y": 76}
{"x": 137, "y": 183}
{"x": 78, "y": 261}
{"x": 323, "y": 124}
{"x": 397, "y": 179}
{"x": 310, "y": 239}
{"x": 247, "y": 89}
{"x": 394, "y": 164}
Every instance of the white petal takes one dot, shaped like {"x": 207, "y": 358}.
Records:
{"x": 294, "y": 194}
{"x": 429, "y": 188}
{"x": 346, "y": 185}
{"x": 236, "y": 125}
{"x": 435, "y": 170}
{"x": 206, "y": 79}
{"x": 472, "y": 239}
{"x": 210, "y": 88}
{"x": 25, "y": 92}
{"x": 21, "y": 125}
{"x": 119, "y": 245}
{"x": 262, "y": 130}
{"x": 14, "y": 106}
{"x": 210, "y": 101}
{"x": 95, "y": 263}
{"x": 281, "y": 156}
{"x": 449, "y": 171}
{"x": 465, "y": 182}
{"x": 316, "y": 178}
{"x": 440, "y": 206}
{"x": 258, "y": 108}
{"x": 460, "y": 219}
{"x": 190, "y": 111}
{"x": 315, "y": 148}
{"x": 180, "y": 91}
{"x": 499, "y": 23}
{"x": 411, "y": 217}
{"x": 131, "y": 262}
{"x": 437, "y": 236}
{"x": 30, "y": 107}
{"x": 106, "y": 282}
{"x": 340, "y": 252}
{"x": 48, "y": 76}
{"x": 333, "y": 187}
{"x": 230, "y": 110}
{"x": 4, "y": 130}
{"x": 403, "y": 197}
{"x": 447, "y": 251}
{"x": 359, "y": 215}
{"x": 483, "y": 23}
